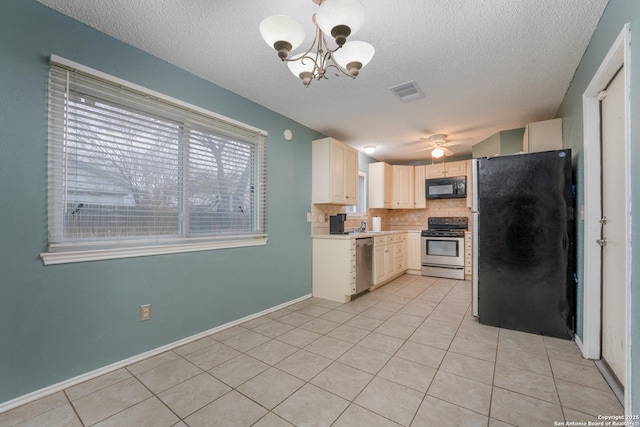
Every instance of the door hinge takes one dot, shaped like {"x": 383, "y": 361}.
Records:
{"x": 602, "y": 95}
{"x": 602, "y": 242}
{"x": 603, "y": 220}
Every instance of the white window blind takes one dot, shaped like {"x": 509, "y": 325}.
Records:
{"x": 131, "y": 168}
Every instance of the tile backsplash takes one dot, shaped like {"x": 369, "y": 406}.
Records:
{"x": 392, "y": 219}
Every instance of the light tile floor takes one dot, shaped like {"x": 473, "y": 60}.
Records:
{"x": 406, "y": 354}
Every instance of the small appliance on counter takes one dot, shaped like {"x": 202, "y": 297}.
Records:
{"x": 336, "y": 223}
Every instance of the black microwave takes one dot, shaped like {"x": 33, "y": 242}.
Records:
{"x": 446, "y": 188}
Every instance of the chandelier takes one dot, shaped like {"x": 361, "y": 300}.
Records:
{"x": 337, "y": 18}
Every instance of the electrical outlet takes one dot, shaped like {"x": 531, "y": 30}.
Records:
{"x": 145, "y": 312}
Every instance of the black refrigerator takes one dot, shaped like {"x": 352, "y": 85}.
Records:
{"x": 523, "y": 229}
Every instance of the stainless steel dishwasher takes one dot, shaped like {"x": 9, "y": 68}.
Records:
{"x": 364, "y": 263}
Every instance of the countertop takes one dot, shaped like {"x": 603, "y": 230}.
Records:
{"x": 358, "y": 235}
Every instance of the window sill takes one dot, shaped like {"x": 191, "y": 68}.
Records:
{"x": 66, "y": 257}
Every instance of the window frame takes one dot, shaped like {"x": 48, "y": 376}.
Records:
{"x": 59, "y": 252}
{"x": 362, "y": 198}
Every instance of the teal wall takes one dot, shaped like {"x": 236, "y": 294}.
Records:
{"x": 511, "y": 141}
{"x": 617, "y": 13}
{"x": 363, "y": 162}
{"x": 503, "y": 142}
{"x": 57, "y": 322}
{"x": 487, "y": 147}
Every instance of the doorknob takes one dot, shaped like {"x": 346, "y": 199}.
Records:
{"x": 602, "y": 242}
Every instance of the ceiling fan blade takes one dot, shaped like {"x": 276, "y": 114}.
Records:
{"x": 447, "y": 152}
{"x": 459, "y": 141}
{"x": 423, "y": 149}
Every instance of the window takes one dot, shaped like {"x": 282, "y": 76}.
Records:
{"x": 133, "y": 172}
{"x": 361, "y": 207}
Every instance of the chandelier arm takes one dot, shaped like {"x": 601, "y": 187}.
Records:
{"x": 303, "y": 60}
{"x": 317, "y": 36}
{"x": 339, "y": 68}
{"x": 320, "y": 55}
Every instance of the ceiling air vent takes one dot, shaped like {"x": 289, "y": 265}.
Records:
{"x": 408, "y": 91}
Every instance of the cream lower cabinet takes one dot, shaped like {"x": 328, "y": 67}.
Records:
{"x": 379, "y": 267}
{"x": 334, "y": 269}
{"x": 400, "y": 253}
{"x": 468, "y": 255}
{"x": 389, "y": 257}
{"x": 414, "y": 263}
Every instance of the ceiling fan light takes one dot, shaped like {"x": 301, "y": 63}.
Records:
{"x": 354, "y": 55}
{"x": 437, "y": 152}
{"x": 340, "y": 18}
{"x": 283, "y": 33}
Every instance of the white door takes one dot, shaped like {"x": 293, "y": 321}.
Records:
{"x": 614, "y": 332}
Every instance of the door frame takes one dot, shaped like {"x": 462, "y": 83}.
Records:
{"x": 618, "y": 55}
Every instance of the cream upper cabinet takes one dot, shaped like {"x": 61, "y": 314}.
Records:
{"x": 419, "y": 195}
{"x": 351, "y": 175}
{"x": 403, "y": 186}
{"x": 334, "y": 172}
{"x": 444, "y": 169}
{"x": 469, "y": 185}
{"x": 543, "y": 136}
{"x": 380, "y": 185}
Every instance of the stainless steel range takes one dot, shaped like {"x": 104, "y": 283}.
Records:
{"x": 442, "y": 247}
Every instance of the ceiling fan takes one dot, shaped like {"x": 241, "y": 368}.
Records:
{"x": 438, "y": 145}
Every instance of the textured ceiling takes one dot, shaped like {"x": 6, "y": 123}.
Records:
{"x": 484, "y": 65}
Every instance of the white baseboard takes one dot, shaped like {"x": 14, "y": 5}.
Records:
{"x": 576, "y": 338}
{"x": 38, "y": 394}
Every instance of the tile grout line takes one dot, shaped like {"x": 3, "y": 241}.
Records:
{"x": 73, "y": 408}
